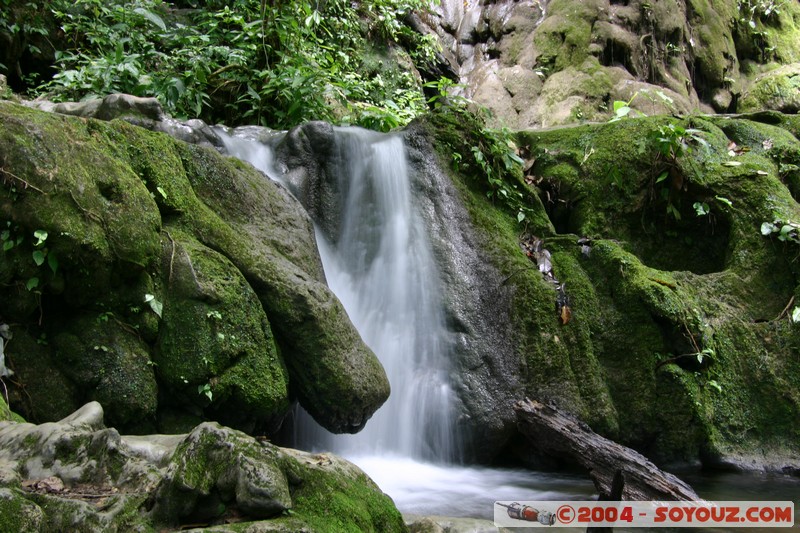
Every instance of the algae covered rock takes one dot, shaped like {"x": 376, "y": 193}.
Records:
{"x": 676, "y": 339}
{"x": 211, "y": 315}
{"x": 685, "y": 56}
{"x": 151, "y": 275}
{"x": 53, "y": 475}
{"x": 777, "y": 90}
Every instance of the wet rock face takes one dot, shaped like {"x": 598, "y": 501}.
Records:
{"x": 672, "y": 284}
{"x": 698, "y": 55}
{"x": 166, "y": 281}
{"x": 76, "y": 474}
{"x": 477, "y": 307}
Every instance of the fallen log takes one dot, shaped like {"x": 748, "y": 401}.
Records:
{"x": 559, "y": 434}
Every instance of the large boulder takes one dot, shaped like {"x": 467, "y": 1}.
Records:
{"x": 162, "y": 278}
{"x": 78, "y": 475}
{"x": 656, "y": 305}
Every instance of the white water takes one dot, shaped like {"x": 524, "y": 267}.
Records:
{"x": 382, "y": 269}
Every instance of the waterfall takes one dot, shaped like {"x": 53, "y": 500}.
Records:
{"x": 379, "y": 261}
{"x": 382, "y": 269}
{"x": 381, "y": 266}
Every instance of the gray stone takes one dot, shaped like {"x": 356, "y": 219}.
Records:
{"x": 78, "y": 475}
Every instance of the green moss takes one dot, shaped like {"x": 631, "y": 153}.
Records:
{"x": 101, "y": 191}
{"x": 48, "y": 394}
{"x": 7, "y": 414}
{"x": 338, "y": 497}
{"x": 19, "y": 514}
{"x": 216, "y": 333}
{"x": 563, "y": 37}
{"x": 654, "y": 289}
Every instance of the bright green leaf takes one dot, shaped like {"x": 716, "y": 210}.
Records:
{"x": 724, "y": 201}
{"x": 154, "y": 304}
{"x": 40, "y": 235}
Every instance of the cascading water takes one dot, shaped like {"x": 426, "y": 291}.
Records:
{"x": 379, "y": 262}
{"x": 381, "y": 268}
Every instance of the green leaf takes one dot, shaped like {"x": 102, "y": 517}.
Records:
{"x": 152, "y": 17}
{"x": 701, "y": 208}
{"x": 520, "y": 217}
{"x": 796, "y": 314}
{"x": 661, "y": 177}
{"x": 8, "y": 245}
{"x": 32, "y": 283}
{"x": 40, "y": 235}
{"x": 52, "y": 262}
{"x": 154, "y": 304}
{"x": 38, "y": 257}
{"x": 724, "y": 201}
{"x": 732, "y": 164}
{"x": 161, "y": 192}
{"x": 767, "y": 228}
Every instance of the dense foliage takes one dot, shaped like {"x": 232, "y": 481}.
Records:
{"x": 270, "y": 62}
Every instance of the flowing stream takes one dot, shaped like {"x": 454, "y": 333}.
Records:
{"x": 380, "y": 264}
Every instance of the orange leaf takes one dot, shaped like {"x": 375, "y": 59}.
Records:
{"x": 566, "y": 314}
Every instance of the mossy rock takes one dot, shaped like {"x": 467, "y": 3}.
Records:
{"x": 332, "y": 494}
{"x": 110, "y": 197}
{"x": 215, "y": 347}
{"x": 666, "y": 348}
{"x": 17, "y": 513}
{"x": 110, "y": 364}
{"x": 777, "y": 90}
{"x": 214, "y": 475}
{"x": 215, "y": 468}
{"x": 49, "y": 394}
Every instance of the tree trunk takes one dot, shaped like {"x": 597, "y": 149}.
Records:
{"x": 558, "y": 434}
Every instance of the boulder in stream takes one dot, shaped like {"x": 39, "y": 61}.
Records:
{"x": 76, "y": 474}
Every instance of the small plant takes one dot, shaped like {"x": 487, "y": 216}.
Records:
{"x": 701, "y": 208}
{"x": 674, "y": 142}
{"x": 622, "y": 108}
{"x": 12, "y": 237}
{"x": 206, "y": 391}
{"x": 785, "y": 231}
{"x": 156, "y": 306}
{"x": 216, "y": 315}
{"x": 751, "y": 13}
